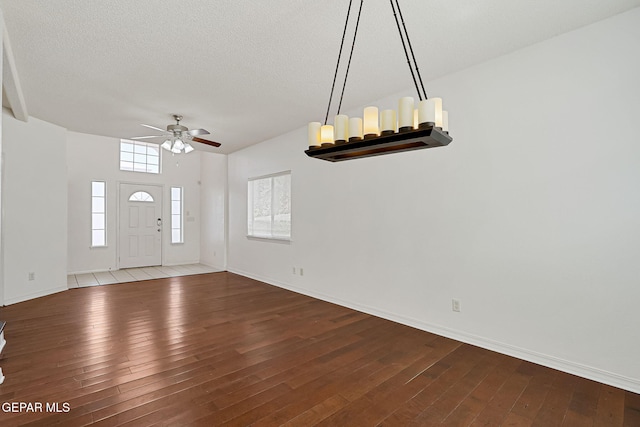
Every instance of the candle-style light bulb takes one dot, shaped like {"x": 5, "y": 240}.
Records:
{"x": 430, "y": 112}
{"x": 341, "y": 128}
{"x": 326, "y": 135}
{"x": 371, "y": 127}
{"x": 355, "y": 129}
{"x": 314, "y": 134}
{"x": 387, "y": 122}
{"x": 405, "y": 113}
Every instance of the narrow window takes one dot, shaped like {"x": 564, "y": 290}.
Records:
{"x": 137, "y": 156}
{"x": 269, "y": 203}
{"x": 98, "y": 214}
{"x": 176, "y": 215}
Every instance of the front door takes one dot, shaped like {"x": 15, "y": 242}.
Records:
{"x": 140, "y": 231}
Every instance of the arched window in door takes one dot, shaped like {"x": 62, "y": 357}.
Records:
{"x": 141, "y": 196}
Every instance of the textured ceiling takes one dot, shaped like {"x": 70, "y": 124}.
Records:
{"x": 251, "y": 70}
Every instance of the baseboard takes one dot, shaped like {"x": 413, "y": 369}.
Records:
{"x": 22, "y": 298}
{"x": 217, "y": 267}
{"x": 589, "y": 372}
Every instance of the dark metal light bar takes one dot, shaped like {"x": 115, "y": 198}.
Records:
{"x": 414, "y": 139}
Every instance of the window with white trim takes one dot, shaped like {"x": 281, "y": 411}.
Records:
{"x": 177, "y": 235}
{"x": 138, "y": 156}
{"x": 269, "y": 206}
{"x": 98, "y": 214}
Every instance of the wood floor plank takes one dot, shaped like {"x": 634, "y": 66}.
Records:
{"x": 471, "y": 406}
{"x": 556, "y": 403}
{"x": 610, "y": 407}
{"x": 448, "y": 401}
{"x": 533, "y": 396}
{"x": 631, "y": 409}
{"x": 502, "y": 402}
{"x": 315, "y": 414}
{"x": 441, "y": 375}
{"x": 585, "y": 398}
{"x": 222, "y": 349}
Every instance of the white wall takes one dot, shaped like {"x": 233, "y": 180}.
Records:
{"x": 530, "y": 217}
{"x": 34, "y": 200}
{"x": 92, "y": 157}
{"x": 213, "y": 192}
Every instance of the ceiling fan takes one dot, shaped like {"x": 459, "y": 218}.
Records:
{"x": 178, "y": 137}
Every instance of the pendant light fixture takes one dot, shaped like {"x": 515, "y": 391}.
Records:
{"x": 412, "y": 127}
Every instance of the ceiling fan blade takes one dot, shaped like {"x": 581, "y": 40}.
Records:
{"x": 205, "y": 141}
{"x": 154, "y": 128}
{"x": 149, "y": 136}
{"x": 198, "y": 132}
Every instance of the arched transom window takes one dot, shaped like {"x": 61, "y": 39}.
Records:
{"x": 141, "y": 196}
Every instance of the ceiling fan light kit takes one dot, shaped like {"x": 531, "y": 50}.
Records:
{"x": 177, "y": 137}
{"x": 413, "y": 127}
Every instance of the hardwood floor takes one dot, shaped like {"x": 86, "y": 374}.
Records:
{"x": 221, "y": 349}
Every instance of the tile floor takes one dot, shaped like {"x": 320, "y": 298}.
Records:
{"x": 135, "y": 274}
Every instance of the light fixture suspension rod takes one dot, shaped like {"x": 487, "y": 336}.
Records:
{"x": 353, "y": 44}
{"x": 406, "y": 54}
{"x": 415, "y": 63}
{"x": 335, "y": 75}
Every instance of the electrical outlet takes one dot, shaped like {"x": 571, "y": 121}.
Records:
{"x": 301, "y": 271}
{"x": 32, "y": 275}
{"x": 455, "y": 305}
{"x": 294, "y": 270}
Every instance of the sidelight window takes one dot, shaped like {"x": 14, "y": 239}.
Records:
{"x": 98, "y": 213}
{"x": 177, "y": 235}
